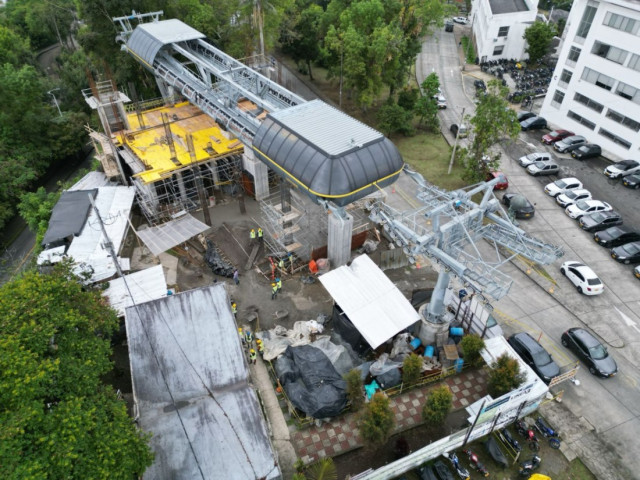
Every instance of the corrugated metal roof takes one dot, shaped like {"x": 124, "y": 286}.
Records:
{"x": 166, "y": 236}
{"x": 206, "y": 419}
{"x": 145, "y": 285}
{"x": 329, "y": 129}
{"x": 91, "y": 180}
{"x": 148, "y": 38}
{"x": 375, "y": 306}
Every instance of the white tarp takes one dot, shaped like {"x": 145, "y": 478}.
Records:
{"x": 166, "y": 236}
{"x": 375, "y": 306}
{"x": 145, "y": 285}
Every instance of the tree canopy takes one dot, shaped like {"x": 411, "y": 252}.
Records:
{"x": 538, "y": 37}
{"x": 58, "y": 420}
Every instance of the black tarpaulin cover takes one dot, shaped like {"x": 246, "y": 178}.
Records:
{"x": 312, "y": 384}
{"x": 68, "y": 217}
{"x": 348, "y": 331}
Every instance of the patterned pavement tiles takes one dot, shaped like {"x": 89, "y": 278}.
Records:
{"x": 341, "y": 434}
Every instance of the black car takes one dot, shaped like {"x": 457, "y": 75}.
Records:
{"x": 524, "y": 115}
{"x": 442, "y": 471}
{"x": 587, "y": 151}
{"x": 616, "y": 236}
{"x": 631, "y": 181}
{"x": 627, "y": 253}
{"x": 590, "y": 351}
{"x": 535, "y": 356}
{"x": 519, "y": 204}
{"x": 533, "y": 123}
{"x": 448, "y": 26}
{"x": 594, "y": 222}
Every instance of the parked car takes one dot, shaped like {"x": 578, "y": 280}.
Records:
{"x": 440, "y": 101}
{"x": 519, "y": 204}
{"x": 582, "y": 277}
{"x": 543, "y": 168}
{"x": 479, "y": 84}
{"x": 562, "y": 186}
{"x": 448, "y": 26}
{"x": 533, "y": 123}
{"x": 502, "y": 184}
{"x": 555, "y": 136}
{"x": 622, "y": 169}
{"x": 590, "y": 351}
{"x": 636, "y": 271}
{"x": 631, "y": 181}
{"x": 616, "y": 236}
{"x": 525, "y": 115}
{"x": 534, "y": 355}
{"x": 594, "y": 222}
{"x": 573, "y": 196}
{"x": 535, "y": 157}
{"x": 627, "y": 253}
{"x": 460, "y": 20}
{"x": 583, "y": 207}
{"x": 590, "y": 150}
{"x": 442, "y": 471}
{"x": 455, "y": 128}
{"x": 569, "y": 143}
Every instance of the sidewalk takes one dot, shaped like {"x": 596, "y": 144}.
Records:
{"x": 342, "y": 435}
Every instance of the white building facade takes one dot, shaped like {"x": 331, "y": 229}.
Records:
{"x": 498, "y": 27}
{"x": 595, "y": 88}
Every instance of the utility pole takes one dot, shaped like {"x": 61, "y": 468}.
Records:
{"x": 455, "y": 144}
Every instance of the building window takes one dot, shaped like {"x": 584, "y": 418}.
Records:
{"x": 498, "y": 50}
{"x": 599, "y": 79}
{"x": 620, "y": 22}
{"x": 634, "y": 63}
{"x": 610, "y": 53}
{"x": 585, "y": 23}
{"x": 615, "y": 138}
{"x": 586, "y": 101}
{"x": 574, "y": 54}
{"x": 503, "y": 32}
{"x": 566, "y": 76}
{"x": 628, "y": 92}
{"x": 558, "y": 97}
{"x": 621, "y": 119}
{"x": 581, "y": 120}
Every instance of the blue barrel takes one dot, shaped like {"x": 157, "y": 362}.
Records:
{"x": 415, "y": 343}
{"x": 428, "y": 351}
{"x": 456, "y": 332}
{"x": 458, "y": 364}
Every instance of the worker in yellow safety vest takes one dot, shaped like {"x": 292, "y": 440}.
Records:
{"x": 234, "y": 308}
{"x": 274, "y": 291}
{"x": 252, "y": 356}
{"x": 241, "y": 336}
{"x": 259, "y": 234}
{"x": 279, "y": 284}
{"x": 252, "y": 235}
{"x": 248, "y": 336}
{"x": 281, "y": 265}
{"x": 260, "y": 346}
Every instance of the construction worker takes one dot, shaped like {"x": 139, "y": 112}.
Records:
{"x": 252, "y": 235}
{"x": 252, "y": 356}
{"x": 260, "y": 235}
{"x": 248, "y": 336}
{"x": 281, "y": 265}
{"x": 274, "y": 291}
{"x": 234, "y": 308}
{"x": 278, "y": 284}
{"x": 242, "y": 336}
{"x": 260, "y": 346}
{"x": 291, "y": 261}
{"x": 236, "y": 276}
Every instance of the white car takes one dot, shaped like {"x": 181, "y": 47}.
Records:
{"x": 461, "y": 20}
{"x": 440, "y": 101}
{"x": 622, "y": 169}
{"x": 584, "y": 279}
{"x": 582, "y": 207}
{"x": 534, "y": 157}
{"x": 563, "y": 185}
{"x": 573, "y": 196}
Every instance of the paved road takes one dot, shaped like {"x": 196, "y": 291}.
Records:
{"x": 600, "y": 417}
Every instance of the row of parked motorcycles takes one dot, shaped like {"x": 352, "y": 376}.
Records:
{"x": 526, "y": 468}
{"x": 529, "y": 82}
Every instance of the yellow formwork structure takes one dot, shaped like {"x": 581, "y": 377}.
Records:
{"x": 150, "y": 145}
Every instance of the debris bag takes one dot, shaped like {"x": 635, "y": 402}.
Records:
{"x": 337, "y": 354}
{"x": 401, "y": 345}
{"x": 390, "y": 378}
{"x": 383, "y": 365}
{"x": 286, "y": 370}
{"x": 217, "y": 265}
{"x": 319, "y": 390}
{"x": 348, "y": 332}
{"x": 369, "y": 246}
{"x": 364, "y": 370}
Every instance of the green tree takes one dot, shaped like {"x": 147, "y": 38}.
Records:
{"x": 538, "y": 37}
{"x": 504, "y": 376}
{"x": 300, "y": 35}
{"x": 426, "y": 107}
{"x": 407, "y": 98}
{"x": 57, "y": 419}
{"x": 355, "y": 389}
{"x": 323, "y": 469}
{"x": 376, "y": 421}
{"x": 392, "y": 118}
{"x": 472, "y": 345}
{"x": 437, "y": 406}
{"x": 411, "y": 369}
{"x": 14, "y": 49}
{"x": 35, "y": 208}
{"x": 493, "y": 122}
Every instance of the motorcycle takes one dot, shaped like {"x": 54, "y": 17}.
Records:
{"x": 548, "y": 432}
{"x": 527, "y": 468}
{"x": 529, "y": 434}
{"x": 510, "y": 440}
{"x": 475, "y": 463}
{"x": 460, "y": 470}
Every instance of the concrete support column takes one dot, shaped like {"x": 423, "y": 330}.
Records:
{"x": 183, "y": 190}
{"x": 339, "y": 241}
{"x": 165, "y": 90}
{"x": 260, "y": 174}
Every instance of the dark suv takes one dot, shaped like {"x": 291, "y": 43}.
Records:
{"x": 535, "y": 356}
